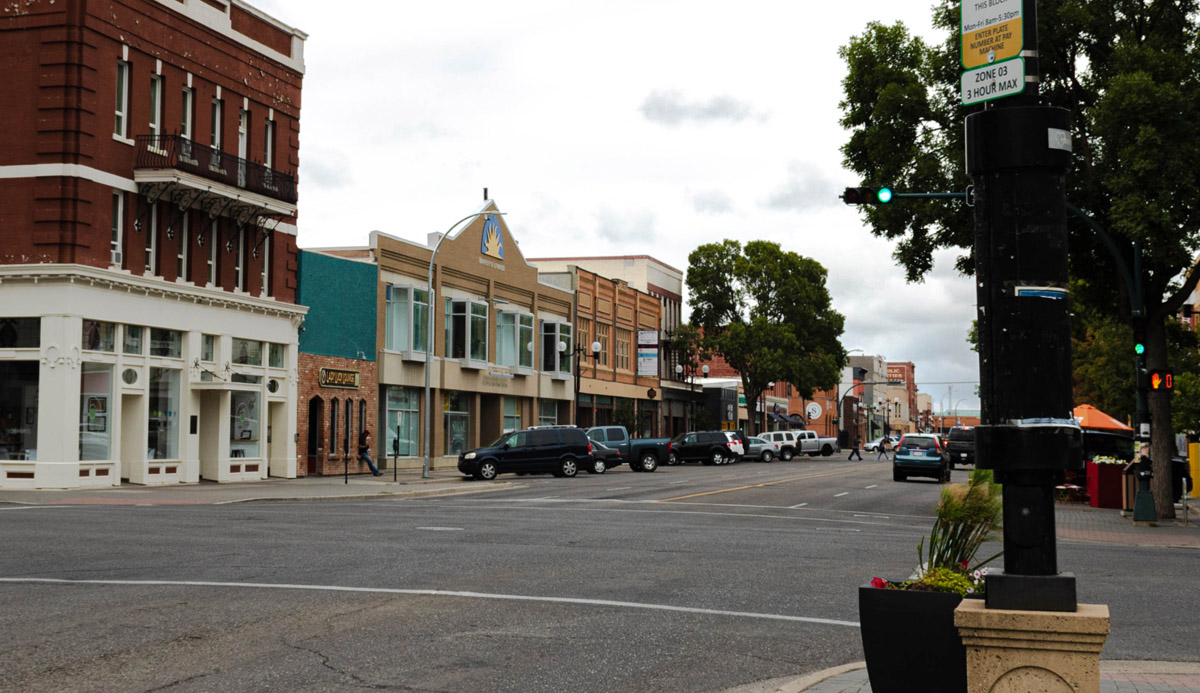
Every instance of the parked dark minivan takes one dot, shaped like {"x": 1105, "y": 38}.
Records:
{"x": 559, "y": 450}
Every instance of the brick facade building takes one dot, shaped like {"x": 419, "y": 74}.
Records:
{"x": 148, "y": 154}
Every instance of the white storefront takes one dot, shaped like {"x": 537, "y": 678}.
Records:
{"x": 107, "y": 376}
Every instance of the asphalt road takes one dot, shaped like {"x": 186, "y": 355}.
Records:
{"x": 689, "y": 579}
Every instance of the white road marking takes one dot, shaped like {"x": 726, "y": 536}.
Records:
{"x": 798, "y": 505}
{"x": 677, "y": 482}
{"x": 441, "y": 529}
{"x": 39, "y": 507}
{"x": 877, "y": 517}
{"x": 871, "y": 486}
{"x": 438, "y": 593}
{"x": 619, "y": 488}
{"x": 843, "y": 493}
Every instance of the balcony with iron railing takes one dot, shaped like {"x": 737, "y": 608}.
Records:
{"x": 175, "y": 152}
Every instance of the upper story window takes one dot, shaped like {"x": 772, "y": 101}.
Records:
{"x": 555, "y": 334}
{"x": 133, "y": 343}
{"x": 183, "y": 269}
{"x": 99, "y": 336}
{"x": 239, "y": 268}
{"x": 406, "y": 318}
{"x": 514, "y": 339}
{"x": 247, "y": 352}
{"x": 118, "y": 227}
{"x": 277, "y": 355}
{"x": 466, "y": 330}
{"x": 624, "y": 339}
{"x": 208, "y": 348}
{"x": 167, "y": 343}
{"x": 266, "y": 267}
{"x": 602, "y": 336}
{"x": 156, "y": 107}
{"x": 218, "y": 114}
{"x": 152, "y": 242}
{"x": 187, "y": 119}
{"x": 211, "y": 262}
{"x": 121, "y": 121}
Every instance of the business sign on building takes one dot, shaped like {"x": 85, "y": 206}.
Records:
{"x": 647, "y": 353}
{"x": 332, "y": 377}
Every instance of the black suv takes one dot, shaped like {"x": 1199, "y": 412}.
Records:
{"x": 960, "y": 445}
{"x": 709, "y": 447}
{"x": 561, "y": 451}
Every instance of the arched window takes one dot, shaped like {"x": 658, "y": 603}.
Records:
{"x": 346, "y": 435}
{"x": 333, "y": 414}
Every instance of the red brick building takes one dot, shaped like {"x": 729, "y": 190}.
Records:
{"x": 148, "y": 157}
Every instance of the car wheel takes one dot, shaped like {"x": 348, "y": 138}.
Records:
{"x": 487, "y": 471}
{"x": 785, "y": 455}
{"x": 897, "y": 476}
{"x": 717, "y": 457}
{"x": 768, "y": 456}
{"x": 598, "y": 467}
{"x": 649, "y": 462}
{"x": 569, "y": 467}
{"x": 827, "y": 451}
{"x": 672, "y": 460}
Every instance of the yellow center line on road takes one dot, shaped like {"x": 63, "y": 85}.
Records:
{"x": 768, "y": 483}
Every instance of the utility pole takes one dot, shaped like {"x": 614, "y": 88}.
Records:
{"x": 1018, "y": 153}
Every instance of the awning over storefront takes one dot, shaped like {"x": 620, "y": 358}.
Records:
{"x": 779, "y": 418}
{"x": 796, "y": 419}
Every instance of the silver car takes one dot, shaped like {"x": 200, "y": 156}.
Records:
{"x": 761, "y": 449}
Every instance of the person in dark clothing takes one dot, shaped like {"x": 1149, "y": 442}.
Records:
{"x": 854, "y": 449}
{"x": 884, "y": 442}
{"x": 364, "y": 451}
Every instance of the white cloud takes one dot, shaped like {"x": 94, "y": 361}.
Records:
{"x": 669, "y": 107}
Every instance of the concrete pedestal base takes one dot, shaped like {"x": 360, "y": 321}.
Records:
{"x": 1032, "y": 651}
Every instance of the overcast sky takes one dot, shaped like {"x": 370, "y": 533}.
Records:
{"x": 634, "y": 127}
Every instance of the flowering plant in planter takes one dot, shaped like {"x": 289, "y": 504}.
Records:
{"x": 966, "y": 517}
{"x": 1105, "y": 459}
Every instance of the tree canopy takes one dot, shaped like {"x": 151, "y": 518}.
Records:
{"x": 768, "y": 313}
{"x": 1129, "y": 73}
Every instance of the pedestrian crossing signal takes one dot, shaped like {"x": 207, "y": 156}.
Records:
{"x": 1162, "y": 380}
{"x": 867, "y": 196}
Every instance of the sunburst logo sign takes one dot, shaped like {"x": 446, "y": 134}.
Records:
{"x": 492, "y": 243}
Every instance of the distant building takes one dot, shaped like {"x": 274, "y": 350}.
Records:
{"x": 148, "y": 323}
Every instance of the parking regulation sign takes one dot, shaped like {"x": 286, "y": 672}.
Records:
{"x": 991, "y": 31}
{"x": 993, "y": 81}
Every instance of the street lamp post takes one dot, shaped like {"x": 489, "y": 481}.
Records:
{"x": 425, "y": 415}
{"x": 576, "y": 352}
{"x": 679, "y": 370}
{"x": 763, "y": 400}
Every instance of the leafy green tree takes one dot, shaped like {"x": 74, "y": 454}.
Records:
{"x": 768, "y": 313}
{"x": 1129, "y": 72}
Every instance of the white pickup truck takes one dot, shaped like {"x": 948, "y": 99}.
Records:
{"x": 792, "y": 443}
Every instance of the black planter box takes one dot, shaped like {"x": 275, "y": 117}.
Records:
{"x": 910, "y": 641}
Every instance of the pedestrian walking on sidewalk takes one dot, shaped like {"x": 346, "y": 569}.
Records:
{"x": 364, "y": 451}
{"x": 854, "y": 448}
{"x": 883, "y": 448}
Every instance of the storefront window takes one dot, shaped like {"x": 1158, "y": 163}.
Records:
{"x": 403, "y": 416}
{"x": 132, "y": 343}
{"x": 167, "y": 343}
{"x": 18, "y": 409}
{"x": 547, "y": 412}
{"x": 163, "y": 426}
{"x": 95, "y": 407}
{"x": 20, "y": 333}
{"x": 277, "y": 356}
{"x": 458, "y": 420}
{"x": 243, "y": 424}
{"x": 512, "y": 414}
{"x": 247, "y": 352}
{"x": 99, "y": 336}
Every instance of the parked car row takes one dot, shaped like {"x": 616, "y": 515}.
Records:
{"x": 565, "y": 450}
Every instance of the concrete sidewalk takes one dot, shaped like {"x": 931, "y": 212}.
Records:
{"x": 408, "y": 484}
{"x": 1115, "y": 677}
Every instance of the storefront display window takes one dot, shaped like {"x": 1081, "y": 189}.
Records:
{"x": 167, "y": 343}
{"x": 247, "y": 352}
{"x": 512, "y": 414}
{"x": 547, "y": 412}
{"x": 163, "y": 426}
{"x": 20, "y": 333}
{"x": 403, "y": 417}
{"x": 18, "y": 409}
{"x": 95, "y": 412}
{"x": 243, "y": 424}
{"x": 99, "y": 336}
{"x": 458, "y": 421}
{"x": 132, "y": 343}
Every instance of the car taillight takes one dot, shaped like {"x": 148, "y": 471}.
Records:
{"x": 589, "y": 448}
{"x": 668, "y": 446}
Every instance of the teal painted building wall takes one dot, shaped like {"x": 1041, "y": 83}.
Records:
{"x": 340, "y": 295}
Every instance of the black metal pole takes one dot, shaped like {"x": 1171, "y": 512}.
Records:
{"x": 1028, "y": 435}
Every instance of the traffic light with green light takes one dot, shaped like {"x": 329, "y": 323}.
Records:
{"x": 867, "y": 196}
{"x": 1139, "y": 335}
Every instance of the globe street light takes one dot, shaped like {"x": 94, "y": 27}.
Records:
{"x": 575, "y": 352}
{"x": 429, "y": 336}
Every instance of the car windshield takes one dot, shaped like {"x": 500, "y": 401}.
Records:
{"x": 500, "y": 441}
{"x": 919, "y": 443}
{"x": 962, "y": 434}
